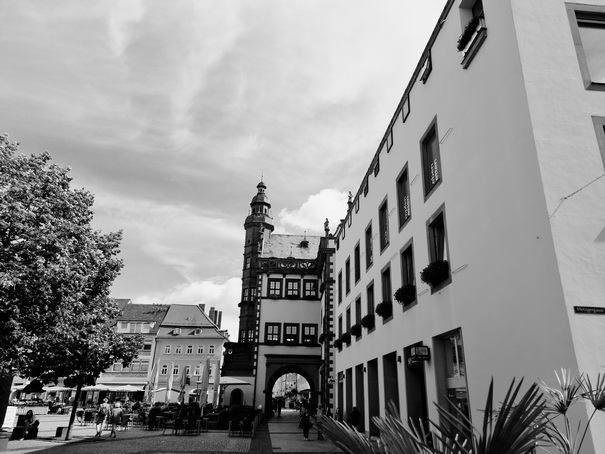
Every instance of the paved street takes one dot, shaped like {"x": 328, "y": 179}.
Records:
{"x": 280, "y": 435}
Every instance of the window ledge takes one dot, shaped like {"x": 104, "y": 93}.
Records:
{"x": 474, "y": 47}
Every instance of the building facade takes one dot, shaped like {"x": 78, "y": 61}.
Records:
{"x": 143, "y": 319}
{"x": 482, "y": 210}
{"x": 188, "y": 344}
{"x": 280, "y": 310}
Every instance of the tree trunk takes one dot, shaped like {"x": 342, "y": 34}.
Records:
{"x": 74, "y": 409}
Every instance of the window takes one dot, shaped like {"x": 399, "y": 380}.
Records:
{"x": 117, "y": 367}
{"x": 588, "y": 33}
{"x": 190, "y": 349}
{"x": 431, "y": 164}
{"x": 167, "y": 350}
{"x": 309, "y": 334}
{"x": 437, "y": 242}
{"x": 245, "y": 295}
{"x": 383, "y": 225}
{"x": 275, "y": 287}
{"x": 272, "y": 333}
{"x": 358, "y": 310}
{"x": 389, "y": 140}
{"x": 200, "y": 349}
{"x": 366, "y": 188}
{"x": 292, "y": 288}
{"x": 599, "y": 126}
{"x": 175, "y": 369}
{"x": 474, "y": 30}
{"x": 164, "y": 370}
{"x": 405, "y": 109}
{"x": 252, "y": 294}
{"x": 427, "y": 68}
{"x": 403, "y": 197}
{"x": 377, "y": 166}
{"x": 247, "y": 263}
{"x": 339, "y": 287}
{"x": 291, "y": 333}
{"x": 348, "y": 321}
{"x": 197, "y": 370}
{"x": 369, "y": 248}
{"x": 436, "y": 238}
{"x": 310, "y": 288}
{"x": 339, "y": 326}
{"x": 147, "y": 346}
{"x": 407, "y": 267}
{"x": 370, "y": 299}
{"x": 211, "y": 350}
{"x": 187, "y": 370}
{"x": 144, "y": 365}
{"x": 387, "y": 294}
{"x": 250, "y": 335}
{"x": 178, "y": 350}
{"x": 357, "y": 258}
{"x": 348, "y": 275}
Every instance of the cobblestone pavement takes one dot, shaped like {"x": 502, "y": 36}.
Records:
{"x": 279, "y": 435}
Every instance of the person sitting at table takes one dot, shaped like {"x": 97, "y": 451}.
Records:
{"x": 154, "y": 412}
{"x": 30, "y": 425}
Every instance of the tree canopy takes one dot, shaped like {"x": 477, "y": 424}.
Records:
{"x": 56, "y": 319}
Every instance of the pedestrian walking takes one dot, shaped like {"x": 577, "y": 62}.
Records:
{"x": 102, "y": 414}
{"x": 116, "y": 418}
{"x": 320, "y": 412}
{"x": 305, "y": 422}
{"x": 354, "y": 418}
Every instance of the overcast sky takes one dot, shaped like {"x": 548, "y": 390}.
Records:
{"x": 170, "y": 112}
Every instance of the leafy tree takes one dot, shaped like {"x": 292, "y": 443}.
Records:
{"x": 55, "y": 274}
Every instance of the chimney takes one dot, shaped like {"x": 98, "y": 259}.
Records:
{"x": 220, "y": 318}
{"x": 211, "y": 314}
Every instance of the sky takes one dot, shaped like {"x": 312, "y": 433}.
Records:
{"x": 171, "y": 112}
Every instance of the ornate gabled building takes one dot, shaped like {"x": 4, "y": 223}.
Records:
{"x": 188, "y": 341}
{"x": 280, "y": 309}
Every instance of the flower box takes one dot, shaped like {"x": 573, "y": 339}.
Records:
{"x": 355, "y": 330}
{"x": 338, "y": 343}
{"x": 346, "y": 338}
{"x": 369, "y": 321}
{"x": 322, "y": 338}
{"x": 435, "y": 273}
{"x": 385, "y": 309}
{"x": 405, "y": 294}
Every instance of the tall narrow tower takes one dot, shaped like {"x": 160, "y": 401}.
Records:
{"x": 258, "y": 224}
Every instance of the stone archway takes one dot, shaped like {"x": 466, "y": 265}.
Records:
{"x": 306, "y": 366}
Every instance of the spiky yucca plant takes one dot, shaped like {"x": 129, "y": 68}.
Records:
{"x": 515, "y": 428}
{"x": 561, "y": 398}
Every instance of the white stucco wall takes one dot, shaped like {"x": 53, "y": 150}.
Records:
{"x": 561, "y": 111}
{"x": 514, "y": 269}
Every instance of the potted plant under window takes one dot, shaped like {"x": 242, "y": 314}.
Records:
{"x": 405, "y": 294}
{"x": 385, "y": 309}
{"x": 469, "y": 32}
{"x": 338, "y": 343}
{"x": 355, "y": 330}
{"x": 346, "y": 338}
{"x": 435, "y": 273}
{"x": 368, "y": 321}
{"x": 322, "y": 338}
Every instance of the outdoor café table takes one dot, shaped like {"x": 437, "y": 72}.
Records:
{"x": 160, "y": 421}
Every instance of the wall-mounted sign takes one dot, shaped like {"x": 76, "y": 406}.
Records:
{"x": 331, "y": 379}
{"x": 418, "y": 354}
{"x": 589, "y": 310}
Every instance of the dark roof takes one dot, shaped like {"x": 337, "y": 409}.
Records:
{"x": 122, "y": 302}
{"x": 284, "y": 246}
{"x": 186, "y": 315}
{"x": 144, "y": 312}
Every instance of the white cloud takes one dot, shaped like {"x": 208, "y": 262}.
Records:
{"x": 313, "y": 212}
